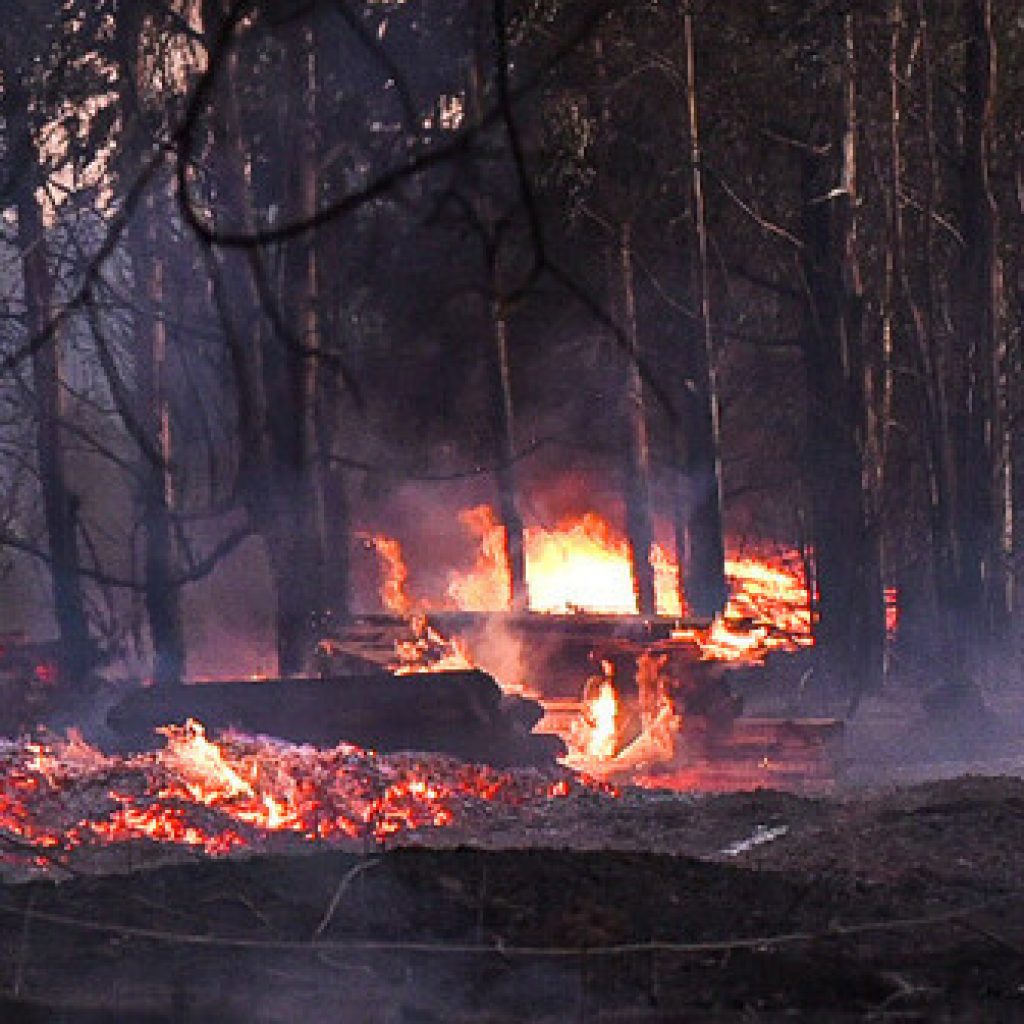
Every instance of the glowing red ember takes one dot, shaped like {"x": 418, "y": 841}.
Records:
{"x": 237, "y": 792}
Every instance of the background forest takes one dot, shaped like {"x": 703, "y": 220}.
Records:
{"x": 274, "y": 275}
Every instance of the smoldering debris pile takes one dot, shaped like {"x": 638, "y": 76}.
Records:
{"x": 67, "y": 806}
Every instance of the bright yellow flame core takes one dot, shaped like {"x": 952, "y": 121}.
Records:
{"x": 603, "y": 713}
{"x": 582, "y": 565}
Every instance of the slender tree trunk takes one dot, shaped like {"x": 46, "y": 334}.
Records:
{"x": 500, "y": 366}
{"x": 503, "y": 413}
{"x": 702, "y": 576}
{"x": 60, "y": 505}
{"x": 622, "y": 302}
{"x": 979, "y": 597}
{"x": 231, "y": 275}
{"x": 330, "y": 429}
{"x": 933, "y": 364}
{"x": 639, "y": 529}
{"x": 290, "y": 368}
{"x": 850, "y": 627}
{"x": 162, "y": 594}
{"x": 274, "y": 364}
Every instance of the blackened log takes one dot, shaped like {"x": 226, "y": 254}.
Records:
{"x": 463, "y": 714}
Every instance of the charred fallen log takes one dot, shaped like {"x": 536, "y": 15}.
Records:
{"x": 464, "y": 714}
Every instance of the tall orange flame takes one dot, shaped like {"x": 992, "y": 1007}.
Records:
{"x": 582, "y": 564}
{"x": 394, "y": 592}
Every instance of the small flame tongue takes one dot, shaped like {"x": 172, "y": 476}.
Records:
{"x": 200, "y": 766}
{"x": 600, "y": 715}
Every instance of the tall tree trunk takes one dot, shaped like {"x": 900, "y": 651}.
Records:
{"x": 702, "y": 575}
{"x": 274, "y": 359}
{"x": 850, "y": 628}
{"x": 622, "y": 302}
{"x": 60, "y": 505}
{"x": 933, "y": 362}
{"x": 330, "y": 429}
{"x": 639, "y": 529}
{"x": 232, "y": 277}
{"x": 290, "y": 374}
{"x": 978, "y": 593}
{"x": 502, "y": 402}
{"x": 162, "y": 594}
{"x": 503, "y": 422}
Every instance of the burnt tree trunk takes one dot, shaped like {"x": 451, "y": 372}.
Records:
{"x": 498, "y": 361}
{"x": 931, "y": 353}
{"x": 850, "y": 626}
{"x": 621, "y": 291}
{"x": 233, "y": 287}
{"x": 702, "y": 564}
{"x": 156, "y": 496}
{"x": 274, "y": 344}
{"x": 975, "y": 594}
{"x": 290, "y": 367}
{"x": 503, "y": 425}
{"x": 330, "y": 425}
{"x": 60, "y": 504}
{"x": 639, "y": 530}
{"x": 147, "y": 412}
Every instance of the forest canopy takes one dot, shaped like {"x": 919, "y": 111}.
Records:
{"x": 275, "y": 274}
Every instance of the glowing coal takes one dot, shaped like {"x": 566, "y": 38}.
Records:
{"x": 60, "y": 801}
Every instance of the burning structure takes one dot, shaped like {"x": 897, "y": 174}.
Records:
{"x": 641, "y": 699}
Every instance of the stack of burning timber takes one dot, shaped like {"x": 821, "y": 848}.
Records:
{"x": 634, "y": 700}
{"x": 577, "y": 678}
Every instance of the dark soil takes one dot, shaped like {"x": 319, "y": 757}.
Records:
{"x": 907, "y": 905}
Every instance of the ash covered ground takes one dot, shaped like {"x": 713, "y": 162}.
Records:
{"x": 534, "y": 897}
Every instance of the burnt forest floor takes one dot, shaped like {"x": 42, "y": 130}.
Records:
{"x": 899, "y": 897}
{"x": 906, "y": 904}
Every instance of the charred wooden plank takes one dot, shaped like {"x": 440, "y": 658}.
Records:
{"x": 464, "y": 714}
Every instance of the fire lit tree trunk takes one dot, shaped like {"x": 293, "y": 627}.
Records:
{"x": 502, "y": 404}
{"x": 59, "y": 503}
{"x": 699, "y": 507}
{"x": 621, "y": 291}
{"x": 156, "y": 493}
{"x": 503, "y": 415}
{"x": 639, "y": 530}
{"x": 850, "y": 627}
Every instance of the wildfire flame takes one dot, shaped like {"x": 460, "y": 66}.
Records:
{"x": 583, "y": 565}
{"x": 597, "y": 733}
{"x": 429, "y": 651}
{"x": 394, "y": 594}
{"x": 580, "y": 565}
